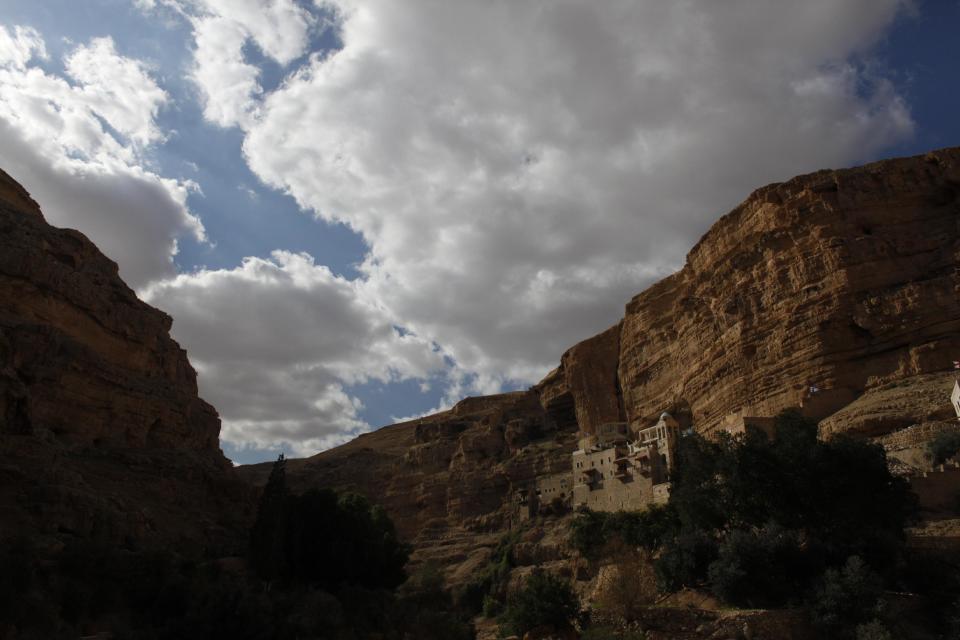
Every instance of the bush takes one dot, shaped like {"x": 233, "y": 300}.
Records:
{"x": 633, "y": 585}
{"x": 425, "y": 610}
{"x": 845, "y": 597}
{"x": 837, "y": 498}
{"x": 545, "y": 600}
{"x": 591, "y": 531}
{"x": 873, "y": 630}
{"x": 685, "y": 560}
{"x": 760, "y": 568}
{"x": 945, "y": 445}
{"x": 487, "y": 591}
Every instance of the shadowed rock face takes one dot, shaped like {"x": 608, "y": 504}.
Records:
{"x": 102, "y": 433}
{"x": 80, "y": 355}
{"x": 844, "y": 280}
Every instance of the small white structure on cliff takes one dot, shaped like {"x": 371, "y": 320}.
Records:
{"x": 955, "y": 397}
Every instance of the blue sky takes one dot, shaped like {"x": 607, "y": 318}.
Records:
{"x": 357, "y": 212}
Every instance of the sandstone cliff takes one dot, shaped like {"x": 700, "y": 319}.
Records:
{"x": 101, "y": 430}
{"x": 840, "y": 280}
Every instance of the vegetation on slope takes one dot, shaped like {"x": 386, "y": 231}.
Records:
{"x": 788, "y": 521}
{"x": 321, "y": 565}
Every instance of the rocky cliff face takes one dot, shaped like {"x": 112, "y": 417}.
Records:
{"x": 101, "y": 429}
{"x": 841, "y": 280}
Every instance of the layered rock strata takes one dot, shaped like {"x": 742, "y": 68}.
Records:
{"x": 807, "y": 294}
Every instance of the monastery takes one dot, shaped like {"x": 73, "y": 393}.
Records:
{"x": 611, "y": 470}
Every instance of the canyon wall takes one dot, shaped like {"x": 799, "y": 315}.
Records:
{"x": 102, "y": 433}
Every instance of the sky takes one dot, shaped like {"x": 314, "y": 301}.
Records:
{"x": 358, "y": 211}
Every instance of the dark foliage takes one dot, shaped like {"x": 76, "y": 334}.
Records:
{"x": 945, "y": 445}
{"x": 845, "y": 597}
{"x": 591, "y": 531}
{"x": 330, "y": 564}
{"x": 786, "y": 507}
{"x": 761, "y": 568}
{"x": 324, "y": 539}
{"x": 545, "y": 600}
{"x": 427, "y": 611}
{"x": 486, "y": 593}
{"x": 685, "y": 560}
{"x": 267, "y": 536}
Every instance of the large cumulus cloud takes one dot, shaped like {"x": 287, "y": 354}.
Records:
{"x": 520, "y": 169}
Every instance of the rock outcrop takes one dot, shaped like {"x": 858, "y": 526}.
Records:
{"x": 102, "y": 433}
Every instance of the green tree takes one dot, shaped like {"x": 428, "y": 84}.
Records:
{"x": 545, "y": 600}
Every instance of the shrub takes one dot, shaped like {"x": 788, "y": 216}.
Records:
{"x": 633, "y": 585}
{"x": 425, "y": 610}
{"x": 845, "y": 597}
{"x": 545, "y": 600}
{"x": 591, "y": 531}
{"x": 945, "y": 445}
{"x": 760, "y": 568}
{"x": 487, "y": 591}
{"x": 685, "y": 560}
{"x": 838, "y": 498}
{"x": 873, "y": 630}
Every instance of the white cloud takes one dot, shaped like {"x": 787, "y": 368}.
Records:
{"x": 275, "y": 341}
{"x": 119, "y": 89}
{"x": 21, "y": 46}
{"x": 54, "y": 139}
{"x": 229, "y": 84}
{"x": 521, "y": 169}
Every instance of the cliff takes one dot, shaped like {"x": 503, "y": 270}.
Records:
{"x": 845, "y": 281}
{"x": 102, "y": 433}
{"x": 839, "y": 280}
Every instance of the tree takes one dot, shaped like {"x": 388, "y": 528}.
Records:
{"x": 267, "y": 537}
{"x": 324, "y": 539}
{"x": 831, "y": 500}
{"x": 545, "y": 600}
{"x": 846, "y": 596}
{"x": 333, "y": 540}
